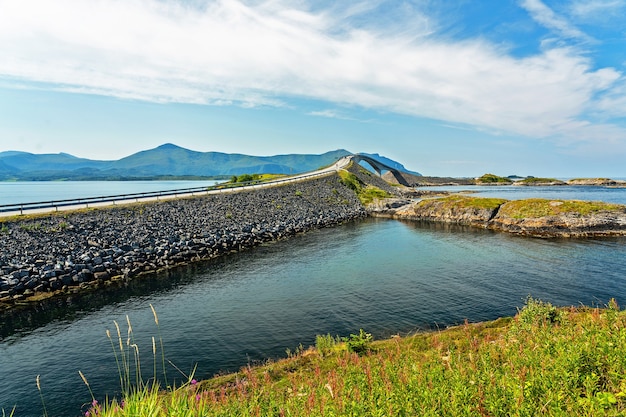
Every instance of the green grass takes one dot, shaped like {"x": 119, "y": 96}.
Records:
{"x": 366, "y": 193}
{"x": 545, "y": 361}
{"x": 589, "y": 179}
{"x": 492, "y": 179}
{"x": 533, "y": 180}
{"x": 459, "y": 201}
{"x": 535, "y": 207}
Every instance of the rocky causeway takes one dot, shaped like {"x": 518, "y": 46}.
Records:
{"x": 64, "y": 253}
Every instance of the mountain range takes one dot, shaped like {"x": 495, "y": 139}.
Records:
{"x": 167, "y": 161}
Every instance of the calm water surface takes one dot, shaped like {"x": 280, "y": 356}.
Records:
{"x": 381, "y": 275}
{"x": 37, "y": 191}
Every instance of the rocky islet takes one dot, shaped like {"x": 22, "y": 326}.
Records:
{"x": 504, "y": 215}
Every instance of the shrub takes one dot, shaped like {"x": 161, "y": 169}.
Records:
{"x": 326, "y": 343}
{"x": 537, "y": 312}
{"x": 360, "y": 343}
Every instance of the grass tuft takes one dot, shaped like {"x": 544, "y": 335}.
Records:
{"x": 366, "y": 193}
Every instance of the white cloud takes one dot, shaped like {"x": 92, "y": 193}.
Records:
{"x": 548, "y": 18}
{"x": 263, "y": 53}
{"x": 599, "y": 11}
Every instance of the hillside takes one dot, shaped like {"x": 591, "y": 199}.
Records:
{"x": 545, "y": 361}
{"x": 167, "y": 160}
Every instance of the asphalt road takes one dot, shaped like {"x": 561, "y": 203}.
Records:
{"x": 340, "y": 164}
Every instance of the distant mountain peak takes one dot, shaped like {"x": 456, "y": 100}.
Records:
{"x": 169, "y": 146}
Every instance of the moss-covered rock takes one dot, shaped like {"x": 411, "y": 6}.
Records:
{"x": 531, "y": 217}
{"x": 561, "y": 218}
{"x": 491, "y": 179}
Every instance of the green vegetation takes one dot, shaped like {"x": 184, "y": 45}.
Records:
{"x": 359, "y": 343}
{"x": 248, "y": 178}
{"x": 492, "y": 179}
{"x": 545, "y": 361}
{"x": 350, "y": 180}
{"x": 366, "y": 193}
{"x": 459, "y": 201}
{"x": 590, "y": 179}
{"x": 31, "y": 227}
{"x": 535, "y": 207}
{"x": 326, "y": 344}
{"x": 534, "y": 180}
{"x": 245, "y": 178}
{"x": 371, "y": 193}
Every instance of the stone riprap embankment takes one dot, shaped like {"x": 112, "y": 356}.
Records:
{"x": 535, "y": 217}
{"x": 67, "y": 252}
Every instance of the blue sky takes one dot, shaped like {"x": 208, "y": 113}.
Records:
{"x": 448, "y": 88}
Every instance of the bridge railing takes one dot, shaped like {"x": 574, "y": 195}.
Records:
{"x": 55, "y": 205}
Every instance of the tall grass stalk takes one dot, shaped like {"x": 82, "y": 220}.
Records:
{"x": 138, "y": 377}
{"x": 82, "y": 376}
{"x": 154, "y": 360}
{"x": 156, "y": 321}
{"x": 13, "y": 412}
{"x": 117, "y": 360}
{"x": 43, "y": 403}
{"x": 124, "y": 355}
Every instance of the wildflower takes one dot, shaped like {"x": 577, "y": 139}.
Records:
{"x": 194, "y": 382}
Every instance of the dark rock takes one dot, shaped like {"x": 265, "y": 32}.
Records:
{"x": 101, "y": 275}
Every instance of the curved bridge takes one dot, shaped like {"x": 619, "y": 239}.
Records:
{"x": 379, "y": 167}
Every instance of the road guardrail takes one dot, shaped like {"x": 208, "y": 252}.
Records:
{"x": 55, "y": 205}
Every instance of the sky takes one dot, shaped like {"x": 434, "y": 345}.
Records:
{"x": 447, "y": 88}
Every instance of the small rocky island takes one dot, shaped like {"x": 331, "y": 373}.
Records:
{"x": 531, "y": 217}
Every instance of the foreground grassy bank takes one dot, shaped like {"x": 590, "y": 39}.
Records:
{"x": 544, "y": 361}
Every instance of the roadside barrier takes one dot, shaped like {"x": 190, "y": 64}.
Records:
{"x": 55, "y": 205}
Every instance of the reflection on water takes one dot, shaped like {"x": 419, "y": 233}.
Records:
{"x": 381, "y": 275}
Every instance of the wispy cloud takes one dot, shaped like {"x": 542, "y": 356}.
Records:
{"x": 264, "y": 53}
{"x": 598, "y": 10}
{"x": 332, "y": 114}
{"x": 545, "y": 16}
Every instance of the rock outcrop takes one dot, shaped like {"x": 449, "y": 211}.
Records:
{"x": 599, "y": 182}
{"x": 537, "y": 218}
